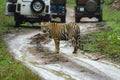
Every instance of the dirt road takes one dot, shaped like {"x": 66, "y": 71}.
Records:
{"x": 51, "y": 66}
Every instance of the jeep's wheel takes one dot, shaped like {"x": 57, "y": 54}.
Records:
{"x": 77, "y": 19}
{"x": 17, "y": 24}
{"x": 91, "y": 5}
{"x": 17, "y": 19}
{"x": 100, "y": 18}
{"x": 63, "y": 19}
{"x": 37, "y": 6}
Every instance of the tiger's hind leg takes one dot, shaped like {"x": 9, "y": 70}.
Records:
{"x": 75, "y": 50}
{"x": 77, "y": 43}
{"x": 80, "y": 44}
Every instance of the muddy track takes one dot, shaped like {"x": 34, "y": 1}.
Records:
{"x": 63, "y": 66}
{"x": 49, "y": 65}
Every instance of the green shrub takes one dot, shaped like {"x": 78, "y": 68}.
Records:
{"x": 108, "y": 2}
{"x": 10, "y": 69}
{"x": 106, "y": 41}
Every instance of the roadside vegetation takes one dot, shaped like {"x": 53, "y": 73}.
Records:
{"x": 106, "y": 41}
{"x": 11, "y": 69}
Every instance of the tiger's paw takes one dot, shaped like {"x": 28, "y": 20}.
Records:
{"x": 74, "y": 52}
{"x": 57, "y": 52}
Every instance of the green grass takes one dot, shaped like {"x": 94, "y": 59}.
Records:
{"x": 108, "y": 2}
{"x": 11, "y": 69}
{"x": 70, "y": 3}
{"x": 106, "y": 41}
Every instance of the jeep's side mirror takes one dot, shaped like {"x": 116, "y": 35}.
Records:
{"x": 101, "y": 1}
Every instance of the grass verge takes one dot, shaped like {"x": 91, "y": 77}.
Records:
{"x": 106, "y": 41}
{"x": 11, "y": 69}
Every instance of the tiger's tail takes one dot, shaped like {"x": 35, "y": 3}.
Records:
{"x": 78, "y": 38}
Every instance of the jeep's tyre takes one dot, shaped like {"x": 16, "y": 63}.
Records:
{"x": 63, "y": 19}
{"x": 100, "y": 18}
{"x": 91, "y": 5}
{"x": 37, "y": 6}
{"x": 77, "y": 19}
{"x": 18, "y": 19}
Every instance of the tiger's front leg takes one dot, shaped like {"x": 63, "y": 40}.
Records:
{"x": 56, "y": 40}
{"x": 75, "y": 45}
{"x": 75, "y": 49}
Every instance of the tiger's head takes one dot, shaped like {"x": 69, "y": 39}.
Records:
{"x": 45, "y": 27}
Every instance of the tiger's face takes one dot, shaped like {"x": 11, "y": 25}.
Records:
{"x": 45, "y": 27}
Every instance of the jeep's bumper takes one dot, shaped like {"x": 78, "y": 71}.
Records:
{"x": 81, "y": 14}
{"x": 58, "y": 15}
{"x": 33, "y": 19}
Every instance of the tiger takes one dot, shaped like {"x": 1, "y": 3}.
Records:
{"x": 69, "y": 31}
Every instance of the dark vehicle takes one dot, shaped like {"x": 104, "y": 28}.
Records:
{"x": 28, "y": 11}
{"x": 88, "y": 8}
{"x": 58, "y": 9}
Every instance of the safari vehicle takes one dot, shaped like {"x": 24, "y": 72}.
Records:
{"x": 88, "y": 8}
{"x": 58, "y": 9}
{"x": 28, "y": 10}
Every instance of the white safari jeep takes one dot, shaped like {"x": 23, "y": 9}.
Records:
{"x": 28, "y": 10}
